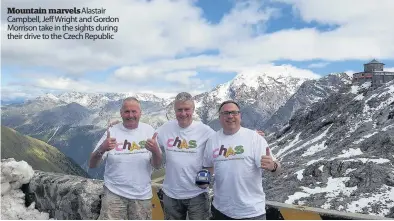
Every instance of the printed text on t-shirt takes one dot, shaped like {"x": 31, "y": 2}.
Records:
{"x": 131, "y": 146}
{"x": 182, "y": 144}
{"x": 230, "y": 151}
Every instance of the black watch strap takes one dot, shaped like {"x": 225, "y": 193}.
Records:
{"x": 275, "y": 167}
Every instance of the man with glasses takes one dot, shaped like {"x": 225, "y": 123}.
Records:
{"x": 238, "y": 157}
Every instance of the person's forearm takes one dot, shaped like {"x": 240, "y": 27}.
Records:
{"x": 156, "y": 159}
{"x": 95, "y": 158}
{"x": 210, "y": 169}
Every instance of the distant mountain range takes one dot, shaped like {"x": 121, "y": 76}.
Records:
{"x": 73, "y": 121}
{"x": 334, "y": 139}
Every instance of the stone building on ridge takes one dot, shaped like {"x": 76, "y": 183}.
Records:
{"x": 374, "y": 73}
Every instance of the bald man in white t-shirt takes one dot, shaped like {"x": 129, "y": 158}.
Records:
{"x": 238, "y": 157}
{"x": 131, "y": 151}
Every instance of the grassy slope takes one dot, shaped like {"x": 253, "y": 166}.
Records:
{"x": 38, "y": 154}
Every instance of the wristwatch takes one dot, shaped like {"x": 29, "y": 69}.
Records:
{"x": 100, "y": 153}
{"x": 275, "y": 167}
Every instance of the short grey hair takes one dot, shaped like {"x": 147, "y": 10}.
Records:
{"x": 127, "y": 99}
{"x": 184, "y": 96}
{"x": 131, "y": 99}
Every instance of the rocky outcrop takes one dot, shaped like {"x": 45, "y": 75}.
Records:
{"x": 64, "y": 196}
{"x": 14, "y": 176}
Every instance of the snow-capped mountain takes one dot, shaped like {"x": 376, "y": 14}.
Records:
{"x": 97, "y": 100}
{"x": 308, "y": 93}
{"x": 259, "y": 93}
{"x": 74, "y": 121}
{"x": 339, "y": 153}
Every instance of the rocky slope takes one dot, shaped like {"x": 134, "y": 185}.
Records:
{"x": 339, "y": 153}
{"x": 308, "y": 93}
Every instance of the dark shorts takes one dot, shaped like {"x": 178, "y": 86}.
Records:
{"x": 194, "y": 208}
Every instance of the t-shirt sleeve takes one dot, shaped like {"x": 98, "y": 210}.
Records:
{"x": 208, "y": 155}
{"x": 159, "y": 139}
{"x": 208, "y": 132}
{"x": 260, "y": 150}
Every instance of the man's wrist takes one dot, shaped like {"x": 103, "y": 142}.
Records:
{"x": 100, "y": 151}
{"x": 156, "y": 151}
{"x": 275, "y": 167}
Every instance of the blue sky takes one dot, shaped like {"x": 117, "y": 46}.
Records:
{"x": 165, "y": 47}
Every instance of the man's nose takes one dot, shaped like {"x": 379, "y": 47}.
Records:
{"x": 129, "y": 115}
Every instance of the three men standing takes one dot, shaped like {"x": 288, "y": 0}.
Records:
{"x": 235, "y": 154}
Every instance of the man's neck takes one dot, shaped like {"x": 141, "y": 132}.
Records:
{"x": 130, "y": 127}
{"x": 186, "y": 125}
{"x": 231, "y": 131}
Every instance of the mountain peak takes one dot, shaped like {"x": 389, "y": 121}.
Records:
{"x": 48, "y": 97}
{"x": 269, "y": 74}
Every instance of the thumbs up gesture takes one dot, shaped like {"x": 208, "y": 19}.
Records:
{"x": 266, "y": 160}
{"x": 151, "y": 144}
{"x": 109, "y": 143}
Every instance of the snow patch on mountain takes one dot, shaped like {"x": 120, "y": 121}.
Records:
{"x": 13, "y": 175}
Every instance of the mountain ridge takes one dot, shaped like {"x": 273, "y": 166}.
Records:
{"x": 37, "y": 153}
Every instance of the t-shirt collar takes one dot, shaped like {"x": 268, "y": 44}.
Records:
{"x": 123, "y": 128}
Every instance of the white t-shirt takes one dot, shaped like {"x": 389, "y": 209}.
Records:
{"x": 238, "y": 190}
{"x": 184, "y": 151}
{"x": 128, "y": 170}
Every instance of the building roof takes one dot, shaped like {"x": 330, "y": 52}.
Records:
{"x": 374, "y": 61}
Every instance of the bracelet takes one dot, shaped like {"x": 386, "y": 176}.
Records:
{"x": 275, "y": 167}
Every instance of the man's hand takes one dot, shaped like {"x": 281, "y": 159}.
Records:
{"x": 266, "y": 161}
{"x": 109, "y": 143}
{"x": 260, "y": 132}
{"x": 151, "y": 144}
{"x": 110, "y": 124}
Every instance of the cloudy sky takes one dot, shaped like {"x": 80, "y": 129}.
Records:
{"x": 168, "y": 46}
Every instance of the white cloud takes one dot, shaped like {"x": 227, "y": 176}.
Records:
{"x": 153, "y": 34}
{"x": 147, "y": 30}
{"x": 61, "y": 84}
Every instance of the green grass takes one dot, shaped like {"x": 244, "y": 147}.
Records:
{"x": 38, "y": 154}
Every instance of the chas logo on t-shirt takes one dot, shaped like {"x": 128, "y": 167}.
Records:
{"x": 181, "y": 144}
{"x": 226, "y": 152}
{"x": 131, "y": 146}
